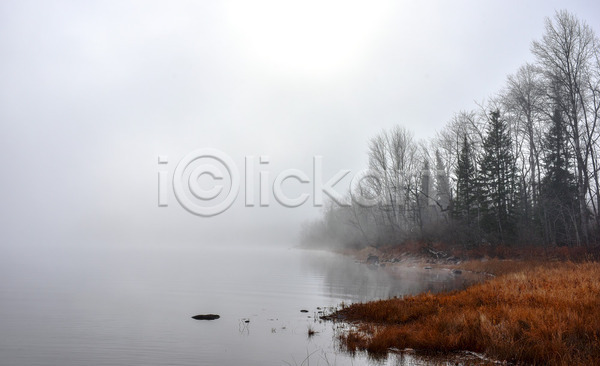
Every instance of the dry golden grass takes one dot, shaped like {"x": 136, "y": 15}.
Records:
{"x": 547, "y": 315}
{"x": 498, "y": 267}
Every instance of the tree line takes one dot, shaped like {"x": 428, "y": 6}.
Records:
{"x": 523, "y": 168}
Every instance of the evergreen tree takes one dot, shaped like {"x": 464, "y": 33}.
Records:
{"x": 497, "y": 181}
{"x": 465, "y": 203}
{"x": 442, "y": 184}
{"x": 558, "y": 187}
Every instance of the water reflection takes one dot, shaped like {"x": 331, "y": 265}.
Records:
{"x": 349, "y": 280}
{"x": 244, "y": 326}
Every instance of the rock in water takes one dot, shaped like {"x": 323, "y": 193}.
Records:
{"x": 206, "y": 317}
{"x": 372, "y": 259}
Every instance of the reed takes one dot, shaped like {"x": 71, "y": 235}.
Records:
{"x": 541, "y": 314}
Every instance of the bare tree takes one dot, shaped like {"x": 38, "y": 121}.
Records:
{"x": 523, "y": 102}
{"x": 566, "y": 53}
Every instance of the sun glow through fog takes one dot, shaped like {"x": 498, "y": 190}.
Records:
{"x": 306, "y": 38}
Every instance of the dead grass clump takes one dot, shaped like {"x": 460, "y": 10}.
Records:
{"x": 499, "y": 267}
{"x": 541, "y": 314}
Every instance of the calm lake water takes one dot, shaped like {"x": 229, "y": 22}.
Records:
{"x": 118, "y": 307}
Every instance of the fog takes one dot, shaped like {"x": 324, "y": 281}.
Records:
{"x": 160, "y": 158}
{"x": 92, "y": 94}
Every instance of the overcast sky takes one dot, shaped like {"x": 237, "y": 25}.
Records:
{"x": 91, "y": 93}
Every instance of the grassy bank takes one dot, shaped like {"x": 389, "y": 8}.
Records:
{"x": 542, "y": 314}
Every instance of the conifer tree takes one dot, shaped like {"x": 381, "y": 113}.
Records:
{"x": 559, "y": 187}
{"x": 465, "y": 202}
{"x": 442, "y": 184}
{"x": 497, "y": 177}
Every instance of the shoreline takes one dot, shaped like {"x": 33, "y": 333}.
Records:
{"x": 491, "y": 261}
{"x": 539, "y": 311}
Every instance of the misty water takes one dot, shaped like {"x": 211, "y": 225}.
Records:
{"x": 134, "y": 307}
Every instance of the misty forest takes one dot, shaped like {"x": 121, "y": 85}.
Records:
{"x": 164, "y": 199}
{"x": 521, "y": 169}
